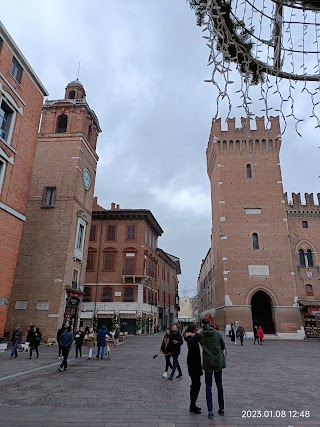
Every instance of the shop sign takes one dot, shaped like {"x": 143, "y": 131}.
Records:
{"x": 72, "y": 301}
{"x": 4, "y": 301}
{"x": 166, "y": 310}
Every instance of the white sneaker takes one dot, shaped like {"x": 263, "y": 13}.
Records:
{"x": 165, "y": 375}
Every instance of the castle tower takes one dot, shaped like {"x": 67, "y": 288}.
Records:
{"x": 51, "y": 264}
{"x": 254, "y": 273}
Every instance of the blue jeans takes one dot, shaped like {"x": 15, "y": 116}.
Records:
{"x": 14, "y": 349}
{"x": 175, "y": 365}
{"x": 102, "y": 348}
{"x": 218, "y": 381}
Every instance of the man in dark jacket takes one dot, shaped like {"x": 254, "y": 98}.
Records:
{"x": 66, "y": 340}
{"x": 175, "y": 343}
{"x": 213, "y": 362}
{"x": 101, "y": 338}
{"x": 79, "y": 337}
{"x": 16, "y": 339}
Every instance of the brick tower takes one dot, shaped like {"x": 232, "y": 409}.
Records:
{"x": 51, "y": 264}
{"x": 253, "y": 267}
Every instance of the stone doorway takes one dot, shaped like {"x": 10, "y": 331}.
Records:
{"x": 261, "y": 309}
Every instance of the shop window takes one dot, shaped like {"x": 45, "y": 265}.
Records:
{"x": 87, "y": 294}
{"x": 49, "y": 197}
{"x": 128, "y": 294}
{"x": 309, "y": 290}
{"x": 16, "y": 70}
{"x": 249, "y": 171}
{"x": 107, "y": 294}
{"x": 305, "y": 224}
{"x": 62, "y": 123}
{"x": 255, "y": 241}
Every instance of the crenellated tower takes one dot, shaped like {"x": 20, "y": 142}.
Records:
{"x": 255, "y": 278}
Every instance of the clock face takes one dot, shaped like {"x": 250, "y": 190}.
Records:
{"x": 86, "y": 179}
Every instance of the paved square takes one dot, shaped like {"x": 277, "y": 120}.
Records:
{"x": 128, "y": 390}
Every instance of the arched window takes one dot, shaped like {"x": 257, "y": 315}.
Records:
{"x": 107, "y": 294}
{"x": 128, "y": 294}
{"x": 309, "y": 290}
{"x": 62, "y": 123}
{"x": 302, "y": 258}
{"x": 306, "y": 258}
{"x": 72, "y": 94}
{"x": 309, "y": 258}
{"x": 255, "y": 241}
{"x": 249, "y": 172}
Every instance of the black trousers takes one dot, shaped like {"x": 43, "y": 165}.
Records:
{"x": 194, "y": 389}
{"x": 241, "y": 339}
{"x": 168, "y": 363}
{"x": 65, "y": 354}
{"x": 60, "y": 350}
{"x": 78, "y": 349}
{"x": 35, "y": 347}
{"x": 256, "y": 339}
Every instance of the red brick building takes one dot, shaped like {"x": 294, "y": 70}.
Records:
{"x": 51, "y": 264}
{"x": 21, "y": 99}
{"x": 252, "y": 240}
{"x": 122, "y": 277}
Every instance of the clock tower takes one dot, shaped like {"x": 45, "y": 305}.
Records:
{"x": 48, "y": 284}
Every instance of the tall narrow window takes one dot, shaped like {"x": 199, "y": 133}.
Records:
{"x": 2, "y": 172}
{"x": 309, "y": 290}
{"x": 128, "y": 294}
{"x": 49, "y": 197}
{"x": 109, "y": 261}
{"x": 249, "y": 172}
{"x": 131, "y": 232}
{"x": 129, "y": 264}
{"x": 305, "y": 224}
{"x": 80, "y": 237}
{"x": 16, "y": 70}
{"x": 62, "y": 123}
{"x": 111, "y": 233}
{"x": 302, "y": 258}
{"x": 93, "y": 231}
{"x": 90, "y": 260}
{"x": 255, "y": 241}
{"x": 75, "y": 278}
{"x": 86, "y": 294}
{"x": 6, "y": 116}
{"x": 309, "y": 258}
{"x": 107, "y": 294}
{"x": 72, "y": 94}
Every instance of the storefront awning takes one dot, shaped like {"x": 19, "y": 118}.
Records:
{"x": 104, "y": 313}
{"x": 86, "y": 315}
{"x": 128, "y": 312}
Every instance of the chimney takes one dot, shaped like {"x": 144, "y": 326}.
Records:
{"x": 113, "y": 206}
{"x": 118, "y": 206}
{"x": 95, "y": 199}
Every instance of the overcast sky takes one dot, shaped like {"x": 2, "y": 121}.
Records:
{"x": 143, "y": 63}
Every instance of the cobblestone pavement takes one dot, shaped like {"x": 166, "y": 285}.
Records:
{"x": 128, "y": 390}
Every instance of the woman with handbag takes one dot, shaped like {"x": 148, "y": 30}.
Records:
{"x": 89, "y": 341}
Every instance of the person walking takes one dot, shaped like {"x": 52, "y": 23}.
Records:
{"x": 37, "y": 340}
{"x": 175, "y": 343}
{"x": 241, "y": 333}
{"x": 194, "y": 366}
{"x": 89, "y": 341}
{"x": 79, "y": 337}
{"x": 66, "y": 341}
{"x": 255, "y": 329}
{"x": 116, "y": 335}
{"x": 233, "y": 336}
{"x": 31, "y": 337}
{"x": 213, "y": 362}
{"x": 59, "y": 333}
{"x": 164, "y": 350}
{"x": 16, "y": 339}
{"x": 260, "y": 335}
{"x": 102, "y": 334}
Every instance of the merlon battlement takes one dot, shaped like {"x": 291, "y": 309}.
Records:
{"x": 296, "y": 203}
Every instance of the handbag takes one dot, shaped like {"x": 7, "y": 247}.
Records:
{"x": 246, "y": 338}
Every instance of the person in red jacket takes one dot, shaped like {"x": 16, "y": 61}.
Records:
{"x": 260, "y": 334}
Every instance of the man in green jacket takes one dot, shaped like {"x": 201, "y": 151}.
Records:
{"x": 213, "y": 362}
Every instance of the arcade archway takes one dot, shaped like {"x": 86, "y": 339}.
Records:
{"x": 261, "y": 309}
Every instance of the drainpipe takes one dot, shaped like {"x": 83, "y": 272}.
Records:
{"x": 97, "y": 275}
